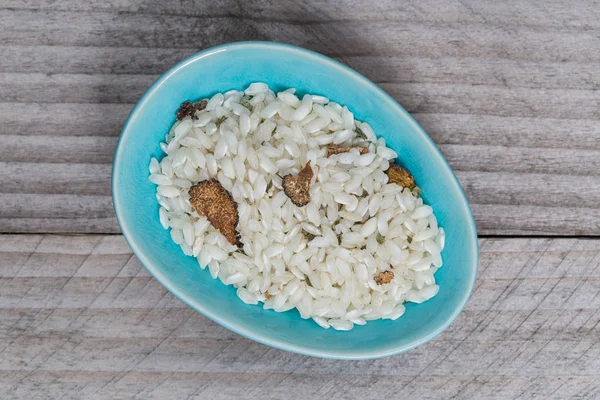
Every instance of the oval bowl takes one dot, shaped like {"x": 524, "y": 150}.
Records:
{"x": 235, "y": 66}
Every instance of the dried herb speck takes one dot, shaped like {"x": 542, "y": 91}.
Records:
{"x": 380, "y": 238}
{"x": 333, "y": 149}
{"x": 245, "y": 101}
{"x": 309, "y": 236}
{"x": 360, "y": 134}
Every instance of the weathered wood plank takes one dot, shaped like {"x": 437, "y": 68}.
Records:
{"x": 77, "y": 318}
{"x": 51, "y": 205}
{"x": 89, "y": 60}
{"x": 60, "y": 225}
{"x": 492, "y": 130}
{"x": 152, "y": 386}
{"x": 388, "y": 68}
{"x": 56, "y": 150}
{"x": 336, "y": 38}
{"x": 503, "y": 219}
{"x": 521, "y": 12}
{"x": 524, "y": 160}
{"x": 500, "y": 189}
{"x": 55, "y": 178}
{"x": 26, "y": 88}
{"x": 492, "y": 100}
{"x": 90, "y": 119}
{"x": 440, "y": 358}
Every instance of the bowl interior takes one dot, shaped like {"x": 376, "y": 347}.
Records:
{"x": 235, "y": 66}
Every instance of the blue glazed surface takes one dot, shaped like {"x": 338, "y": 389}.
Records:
{"x": 234, "y": 66}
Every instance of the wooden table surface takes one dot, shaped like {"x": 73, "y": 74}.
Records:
{"x": 509, "y": 91}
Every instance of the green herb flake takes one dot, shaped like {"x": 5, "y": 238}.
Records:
{"x": 245, "y": 101}
{"x": 380, "y": 238}
{"x": 360, "y": 134}
{"x": 309, "y": 236}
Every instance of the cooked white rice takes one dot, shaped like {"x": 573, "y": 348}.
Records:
{"x": 322, "y": 258}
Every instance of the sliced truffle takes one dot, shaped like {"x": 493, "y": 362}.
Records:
{"x": 400, "y": 177}
{"x": 334, "y": 149}
{"x": 297, "y": 188}
{"x": 384, "y": 277}
{"x": 211, "y": 200}
{"x": 189, "y": 109}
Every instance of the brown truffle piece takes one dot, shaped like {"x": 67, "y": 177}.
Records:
{"x": 334, "y": 149}
{"x": 297, "y": 188}
{"x": 211, "y": 200}
{"x": 400, "y": 177}
{"x": 200, "y": 105}
{"x": 188, "y": 108}
{"x": 384, "y": 277}
{"x": 185, "y": 109}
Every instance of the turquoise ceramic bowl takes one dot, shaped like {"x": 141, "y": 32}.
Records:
{"x": 234, "y": 66}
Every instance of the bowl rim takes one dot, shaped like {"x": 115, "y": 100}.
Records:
{"x": 227, "y": 322}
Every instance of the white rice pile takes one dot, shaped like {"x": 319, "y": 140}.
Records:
{"x": 321, "y": 258}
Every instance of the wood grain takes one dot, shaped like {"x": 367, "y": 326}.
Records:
{"x": 81, "y": 318}
{"x": 520, "y": 82}
{"x": 508, "y": 92}
{"x": 337, "y": 38}
{"x": 521, "y": 12}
